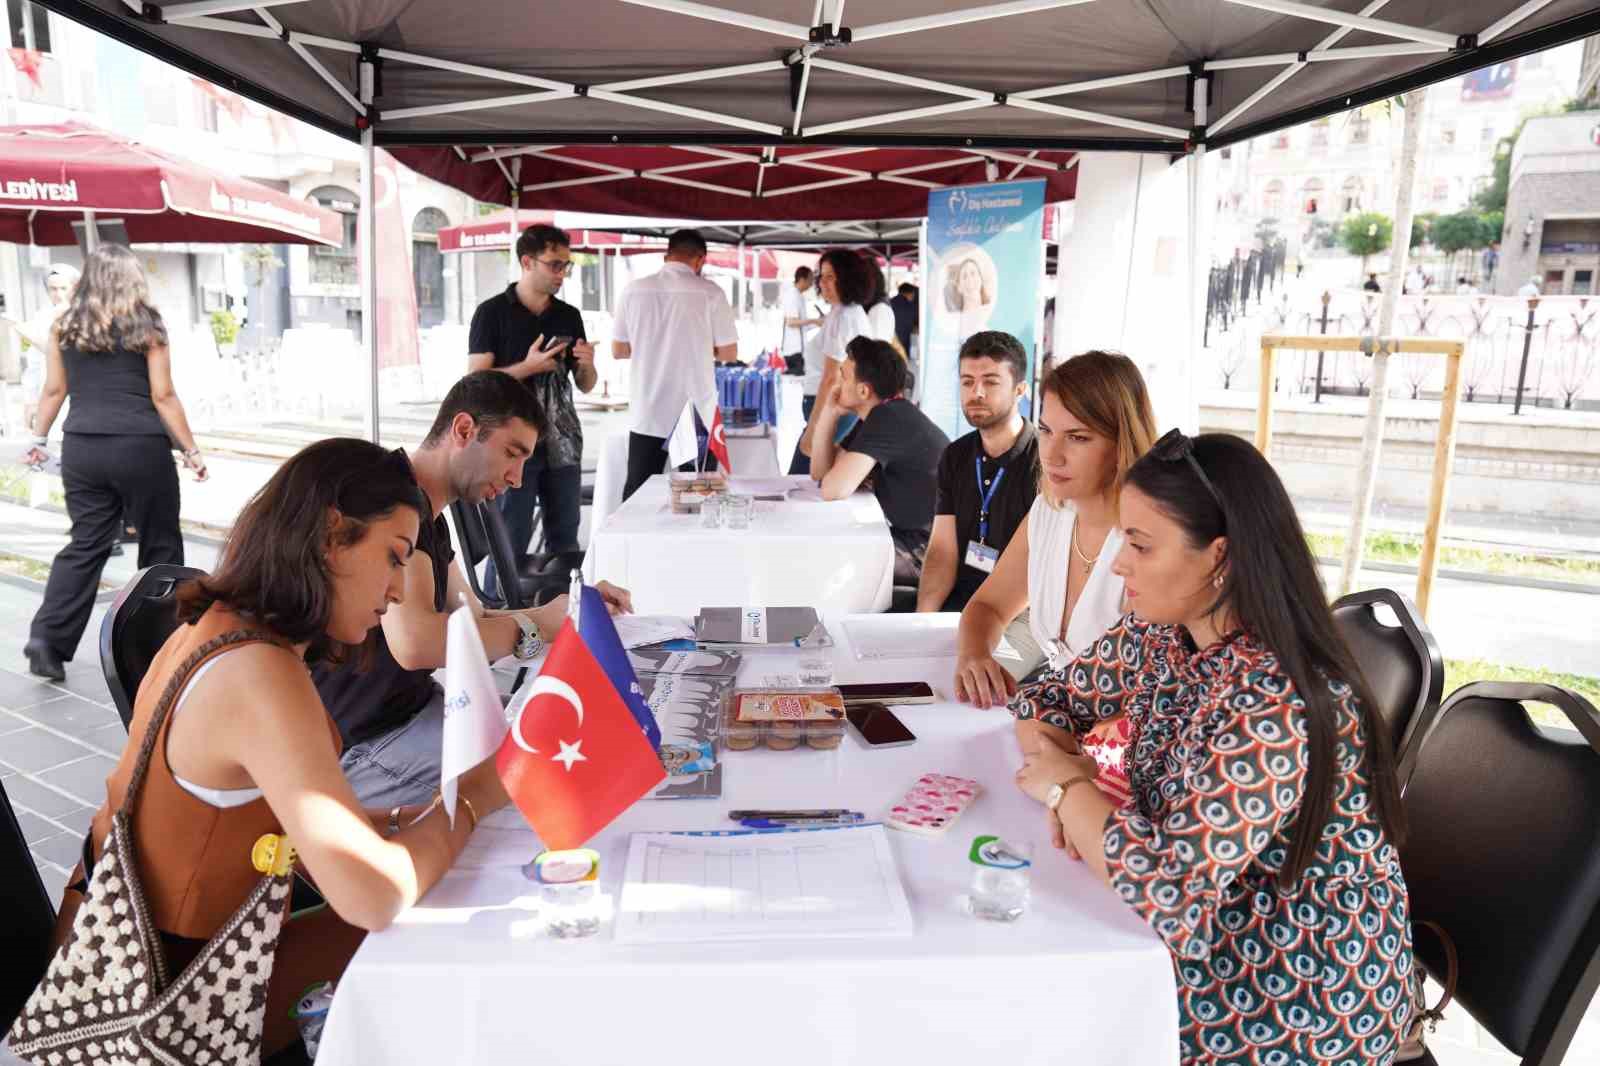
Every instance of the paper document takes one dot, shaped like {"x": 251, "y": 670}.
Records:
{"x": 903, "y": 636}
{"x": 638, "y": 630}
{"x": 767, "y": 486}
{"x": 761, "y": 886}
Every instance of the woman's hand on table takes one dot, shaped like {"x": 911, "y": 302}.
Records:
{"x": 618, "y": 600}
{"x": 1051, "y": 765}
{"x": 983, "y": 682}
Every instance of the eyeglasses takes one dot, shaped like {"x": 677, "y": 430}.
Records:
{"x": 1175, "y": 446}
{"x": 557, "y": 266}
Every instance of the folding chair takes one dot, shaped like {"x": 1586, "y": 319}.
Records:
{"x": 140, "y": 620}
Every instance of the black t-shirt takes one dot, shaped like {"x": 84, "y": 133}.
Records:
{"x": 905, "y": 319}
{"x": 503, "y": 326}
{"x": 373, "y": 694}
{"x": 906, "y": 445}
{"x": 960, "y": 496}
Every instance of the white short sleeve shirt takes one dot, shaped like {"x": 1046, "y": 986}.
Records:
{"x": 842, "y": 325}
{"x": 672, "y": 321}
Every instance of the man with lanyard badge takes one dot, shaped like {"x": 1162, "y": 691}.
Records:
{"x": 987, "y": 479}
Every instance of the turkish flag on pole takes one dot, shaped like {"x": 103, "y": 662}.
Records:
{"x": 575, "y": 757}
{"x": 716, "y": 442}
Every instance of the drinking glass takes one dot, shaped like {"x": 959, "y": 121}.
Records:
{"x": 737, "y": 511}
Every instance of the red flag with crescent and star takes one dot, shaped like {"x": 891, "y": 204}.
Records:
{"x": 575, "y": 757}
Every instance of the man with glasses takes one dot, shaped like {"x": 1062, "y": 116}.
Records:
{"x": 673, "y": 325}
{"x": 531, "y": 335}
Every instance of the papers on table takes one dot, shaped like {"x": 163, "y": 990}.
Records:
{"x": 904, "y": 636}
{"x": 638, "y": 630}
{"x": 681, "y": 888}
{"x": 767, "y": 486}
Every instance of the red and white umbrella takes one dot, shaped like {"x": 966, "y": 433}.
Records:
{"x": 54, "y": 176}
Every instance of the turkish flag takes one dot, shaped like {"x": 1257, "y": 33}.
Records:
{"x": 717, "y": 442}
{"x": 575, "y": 757}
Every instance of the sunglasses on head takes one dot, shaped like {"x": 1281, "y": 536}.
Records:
{"x": 1176, "y": 446}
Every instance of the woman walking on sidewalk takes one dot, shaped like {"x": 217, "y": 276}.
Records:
{"x": 108, "y": 351}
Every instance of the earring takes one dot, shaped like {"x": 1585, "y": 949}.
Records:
{"x": 1216, "y": 582}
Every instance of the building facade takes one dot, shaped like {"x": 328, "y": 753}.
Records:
{"x": 1553, "y": 207}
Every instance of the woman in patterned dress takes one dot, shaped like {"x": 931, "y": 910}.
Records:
{"x": 1260, "y": 842}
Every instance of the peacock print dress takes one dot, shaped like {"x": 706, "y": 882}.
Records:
{"x": 1217, "y": 770}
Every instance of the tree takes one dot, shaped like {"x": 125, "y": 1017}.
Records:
{"x": 1366, "y": 235}
{"x": 1421, "y": 225}
{"x": 1460, "y": 232}
{"x": 1266, "y": 232}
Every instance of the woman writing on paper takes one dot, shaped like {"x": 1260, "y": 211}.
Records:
{"x": 241, "y": 746}
{"x": 1260, "y": 841}
{"x": 1053, "y": 591}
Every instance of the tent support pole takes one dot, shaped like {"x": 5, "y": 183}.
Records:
{"x": 1199, "y": 257}
{"x": 369, "y": 254}
{"x": 91, "y": 233}
{"x": 516, "y": 207}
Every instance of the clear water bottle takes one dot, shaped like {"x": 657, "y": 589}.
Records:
{"x": 569, "y": 891}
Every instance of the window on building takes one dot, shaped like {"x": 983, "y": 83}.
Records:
{"x": 1350, "y": 195}
{"x": 1439, "y": 192}
{"x": 427, "y": 265}
{"x": 1280, "y": 141}
{"x": 1486, "y": 137}
{"x": 1583, "y": 283}
{"x": 206, "y": 109}
{"x": 1311, "y": 196}
{"x": 30, "y": 25}
{"x": 1360, "y": 129}
{"x": 1272, "y": 199}
{"x": 1444, "y": 134}
{"x": 336, "y": 266}
{"x": 1319, "y": 134}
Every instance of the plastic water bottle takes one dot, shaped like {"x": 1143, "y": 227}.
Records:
{"x": 310, "y": 1014}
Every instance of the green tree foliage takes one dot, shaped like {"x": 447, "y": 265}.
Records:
{"x": 1366, "y": 234}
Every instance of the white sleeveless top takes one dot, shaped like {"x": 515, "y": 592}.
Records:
{"x": 1049, "y": 556}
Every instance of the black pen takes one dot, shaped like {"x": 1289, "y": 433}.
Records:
{"x": 739, "y": 816}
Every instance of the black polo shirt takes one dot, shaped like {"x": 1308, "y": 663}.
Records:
{"x": 503, "y": 326}
{"x": 372, "y": 694}
{"x": 961, "y": 497}
{"x": 906, "y": 445}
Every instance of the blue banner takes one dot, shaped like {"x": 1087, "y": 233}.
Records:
{"x": 983, "y": 271}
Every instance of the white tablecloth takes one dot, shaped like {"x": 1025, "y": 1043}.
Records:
{"x": 834, "y": 556}
{"x": 466, "y": 977}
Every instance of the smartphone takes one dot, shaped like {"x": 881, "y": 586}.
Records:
{"x": 892, "y": 694}
{"x": 564, "y": 353}
{"x": 877, "y": 725}
{"x": 933, "y": 804}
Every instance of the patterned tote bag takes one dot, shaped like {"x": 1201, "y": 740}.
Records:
{"x": 107, "y": 996}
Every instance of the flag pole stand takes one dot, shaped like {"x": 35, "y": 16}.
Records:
{"x": 575, "y": 598}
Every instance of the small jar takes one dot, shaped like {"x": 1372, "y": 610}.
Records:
{"x": 569, "y": 891}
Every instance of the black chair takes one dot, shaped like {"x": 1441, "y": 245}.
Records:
{"x": 1504, "y": 854}
{"x": 140, "y": 620}
{"x": 1402, "y": 664}
{"x": 26, "y": 918}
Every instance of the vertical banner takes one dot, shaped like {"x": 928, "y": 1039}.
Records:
{"x": 982, "y": 270}
{"x": 396, "y": 312}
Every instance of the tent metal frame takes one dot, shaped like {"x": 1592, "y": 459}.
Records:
{"x": 826, "y": 29}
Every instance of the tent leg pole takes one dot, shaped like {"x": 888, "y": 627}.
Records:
{"x": 369, "y": 283}
{"x": 91, "y": 233}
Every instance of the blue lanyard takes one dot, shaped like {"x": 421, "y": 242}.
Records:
{"x": 983, "y": 506}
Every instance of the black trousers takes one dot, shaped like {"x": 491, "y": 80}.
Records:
{"x": 647, "y": 457}
{"x": 107, "y": 479}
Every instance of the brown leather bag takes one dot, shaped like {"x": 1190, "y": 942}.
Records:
{"x": 1425, "y": 1019}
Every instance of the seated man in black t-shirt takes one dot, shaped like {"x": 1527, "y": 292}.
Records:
{"x": 894, "y": 442}
{"x": 389, "y": 711}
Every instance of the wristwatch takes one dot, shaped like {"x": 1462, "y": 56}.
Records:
{"x": 1058, "y": 792}
{"x": 529, "y": 644}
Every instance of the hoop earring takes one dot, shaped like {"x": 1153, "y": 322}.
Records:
{"x": 1216, "y": 582}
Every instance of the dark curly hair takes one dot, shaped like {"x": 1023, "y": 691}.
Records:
{"x": 850, "y": 278}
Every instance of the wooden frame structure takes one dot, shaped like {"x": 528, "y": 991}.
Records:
{"x": 1444, "y": 449}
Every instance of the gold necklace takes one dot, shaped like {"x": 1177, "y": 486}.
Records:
{"x": 1088, "y": 562}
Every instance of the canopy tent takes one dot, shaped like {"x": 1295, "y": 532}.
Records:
{"x": 56, "y": 180}
{"x": 828, "y": 118}
{"x": 604, "y": 233}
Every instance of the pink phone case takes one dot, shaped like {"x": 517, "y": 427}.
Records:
{"x": 933, "y": 804}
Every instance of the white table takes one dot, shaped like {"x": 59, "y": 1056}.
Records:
{"x": 836, "y": 556}
{"x": 467, "y": 977}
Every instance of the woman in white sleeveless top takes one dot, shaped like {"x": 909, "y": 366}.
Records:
{"x": 1052, "y": 591}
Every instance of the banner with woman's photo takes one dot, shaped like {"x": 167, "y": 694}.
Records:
{"x": 983, "y": 270}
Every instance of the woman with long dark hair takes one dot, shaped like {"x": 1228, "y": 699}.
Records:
{"x": 1260, "y": 842}
{"x": 246, "y": 747}
{"x": 108, "y": 351}
{"x": 847, "y": 286}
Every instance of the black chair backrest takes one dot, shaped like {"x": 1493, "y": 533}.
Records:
{"x": 481, "y": 533}
{"x": 1402, "y": 665}
{"x": 1504, "y": 853}
{"x": 140, "y": 620}
{"x": 26, "y": 918}
{"x": 504, "y": 556}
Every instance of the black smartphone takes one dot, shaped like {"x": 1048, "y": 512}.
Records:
{"x": 877, "y": 725}
{"x": 893, "y": 693}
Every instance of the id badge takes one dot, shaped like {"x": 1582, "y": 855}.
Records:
{"x": 981, "y": 556}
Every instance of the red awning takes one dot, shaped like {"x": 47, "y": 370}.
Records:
{"x": 493, "y": 232}
{"x": 51, "y": 175}
{"x": 732, "y": 184}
